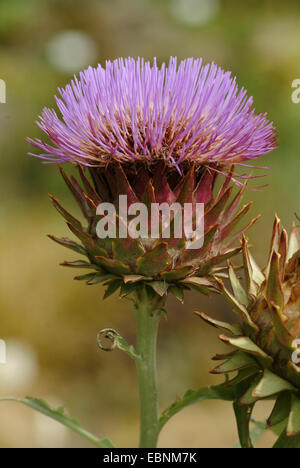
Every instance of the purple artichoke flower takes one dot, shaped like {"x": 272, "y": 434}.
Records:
{"x": 134, "y": 111}
{"x": 159, "y": 136}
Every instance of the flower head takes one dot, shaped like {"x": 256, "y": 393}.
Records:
{"x": 265, "y": 341}
{"x": 159, "y": 136}
{"x": 134, "y": 111}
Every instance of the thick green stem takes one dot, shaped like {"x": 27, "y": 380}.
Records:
{"x": 148, "y": 317}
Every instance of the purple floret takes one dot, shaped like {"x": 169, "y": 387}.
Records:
{"x": 134, "y": 111}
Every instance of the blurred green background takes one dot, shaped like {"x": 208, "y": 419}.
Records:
{"x": 50, "y": 322}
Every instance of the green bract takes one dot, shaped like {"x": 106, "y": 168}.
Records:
{"x": 165, "y": 264}
{"x": 264, "y": 342}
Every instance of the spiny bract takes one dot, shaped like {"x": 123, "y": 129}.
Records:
{"x": 165, "y": 264}
{"x": 264, "y": 342}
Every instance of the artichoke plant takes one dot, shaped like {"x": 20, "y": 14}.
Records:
{"x": 156, "y": 136}
{"x": 265, "y": 354}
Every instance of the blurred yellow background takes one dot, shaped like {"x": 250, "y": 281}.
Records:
{"x": 50, "y": 322}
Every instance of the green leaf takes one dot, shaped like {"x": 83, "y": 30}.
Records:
{"x": 223, "y": 356}
{"x": 203, "y": 285}
{"x": 214, "y": 213}
{"x": 57, "y": 414}
{"x": 239, "y": 308}
{"x": 217, "y": 260}
{"x": 282, "y": 333}
{"x": 87, "y": 240}
{"x": 113, "y": 266}
{"x": 112, "y": 287}
{"x": 178, "y": 292}
{"x": 185, "y": 190}
{"x": 254, "y": 276}
{"x": 122, "y": 345}
{"x": 68, "y": 217}
{"x": 90, "y": 190}
{"x": 246, "y": 344}
{"x": 270, "y": 384}
{"x": 257, "y": 275}
{"x": 239, "y": 360}
{"x": 199, "y": 281}
{"x": 127, "y": 250}
{"x": 116, "y": 341}
{"x": 128, "y": 288}
{"x": 155, "y": 261}
{"x": 256, "y": 432}
{"x": 100, "y": 278}
{"x": 80, "y": 264}
{"x": 198, "y": 289}
{"x": 242, "y": 375}
{"x": 175, "y": 275}
{"x": 285, "y": 441}
{"x": 87, "y": 277}
{"x": 274, "y": 293}
{"x": 191, "y": 397}
{"x": 233, "y": 223}
{"x": 78, "y": 194}
{"x": 294, "y": 243}
{"x": 247, "y": 398}
{"x": 235, "y": 328}
{"x": 160, "y": 287}
{"x": 121, "y": 184}
{"x": 293, "y": 427}
{"x": 66, "y": 242}
{"x": 243, "y": 413}
{"x": 243, "y": 416}
{"x": 133, "y": 278}
{"x": 238, "y": 289}
{"x": 191, "y": 257}
{"x": 277, "y": 430}
{"x": 281, "y": 409}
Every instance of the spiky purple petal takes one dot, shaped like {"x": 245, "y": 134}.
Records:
{"x": 134, "y": 111}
